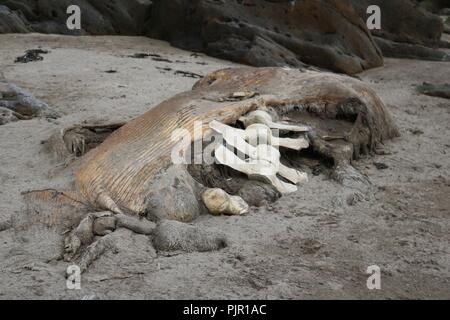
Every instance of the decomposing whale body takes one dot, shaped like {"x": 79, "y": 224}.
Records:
{"x": 132, "y": 174}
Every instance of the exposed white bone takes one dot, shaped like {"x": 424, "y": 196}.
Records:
{"x": 292, "y": 175}
{"x": 296, "y": 144}
{"x": 237, "y": 142}
{"x": 234, "y": 137}
{"x": 219, "y": 202}
{"x": 283, "y": 187}
{"x": 258, "y": 134}
{"x": 255, "y": 169}
{"x": 263, "y": 161}
{"x": 259, "y": 116}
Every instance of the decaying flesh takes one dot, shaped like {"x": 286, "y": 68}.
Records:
{"x": 131, "y": 172}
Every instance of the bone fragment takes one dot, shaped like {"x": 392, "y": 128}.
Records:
{"x": 255, "y": 169}
{"x": 219, "y": 202}
{"x": 264, "y": 160}
{"x": 259, "y": 116}
{"x": 259, "y": 134}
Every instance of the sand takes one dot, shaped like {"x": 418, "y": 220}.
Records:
{"x": 310, "y": 244}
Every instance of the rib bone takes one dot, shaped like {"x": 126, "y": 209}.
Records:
{"x": 255, "y": 169}
{"x": 263, "y": 161}
{"x": 258, "y": 133}
{"x": 259, "y": 116}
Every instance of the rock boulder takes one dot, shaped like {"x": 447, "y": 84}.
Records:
{"x": 327, "y": 34}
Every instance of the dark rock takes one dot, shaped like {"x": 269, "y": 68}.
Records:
{"x": 410, "y": 51}
{"x": 11, "y": 21}
{"x": 403, "y": 21}
{"x": 434, "y": 6}
{"x": 18, "y": 104}
{"x": 446, "y": 20}
{"x": 417, "y": 35}
{"x": 328, "y": 34}
{"x": 435, "y": 90}
{"x": 97, "y": 16}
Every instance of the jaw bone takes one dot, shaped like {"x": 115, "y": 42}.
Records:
{"x": 260, "y": 116}
{"x": 263, "y": 161}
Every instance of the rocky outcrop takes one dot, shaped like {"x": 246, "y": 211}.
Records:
{"x": 98, "y": 16}
{"x": 435, "y": 90}
{"x": 11, "y": 21}
{"x": 435, "y": 6}
{"x": 328, "y": 34}
{"x": 447, "y": 23}
{"x": 19, "y": 104}
{"x": 410, "y": 51}
{"x": 403, "y": 21}
{"x": 407, "y": 30}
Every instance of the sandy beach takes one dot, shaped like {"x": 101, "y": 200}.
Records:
{"x": 310, "y": 244}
